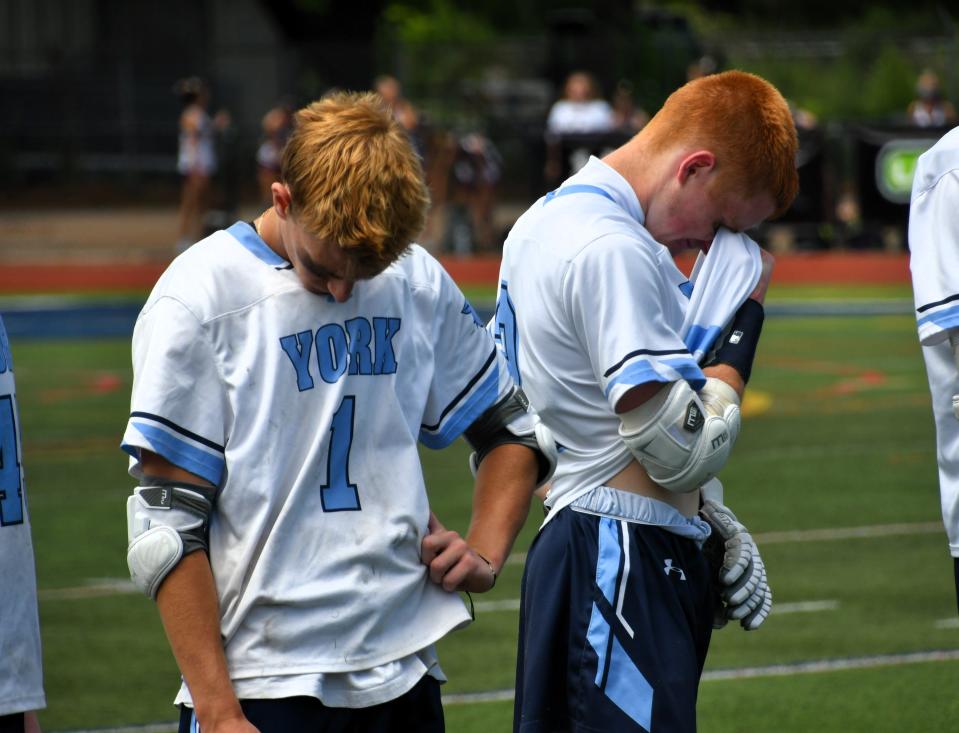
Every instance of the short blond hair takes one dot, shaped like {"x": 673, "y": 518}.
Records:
{"x": 746, "y": 123}
{"x": 355, "y": 180}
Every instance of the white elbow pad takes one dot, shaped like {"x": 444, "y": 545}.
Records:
{"x": 680, "y": 439}
{"x": 165, "y": 521}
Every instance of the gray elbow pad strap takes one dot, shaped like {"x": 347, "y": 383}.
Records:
{"x": 511, "y": 420}
{"x": 165, "y": 521}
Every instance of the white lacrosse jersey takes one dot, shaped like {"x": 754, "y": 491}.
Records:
{"x": 306, "y": 414}
{"x": 589, "y": 306}
{"x": 934, "y": 261}
{"x": 21, "y": 673}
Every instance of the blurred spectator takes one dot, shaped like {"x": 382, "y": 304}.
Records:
{"x": 627, "y": 117}
{"x": 225, "y": 184}
{"x": 435, "y": 148}
{"x": 275, "y": 126}
{"x": 929, "y": 109}
{"x": 476, "y": 169}
{"x": 581, "y": 109}
{"x": 580, "y": 112}
{"x": 196, "y": 158}
{"x": 802, "y": 117}
{"x": 703, "y": 66}
{"x": 404, "y": 112}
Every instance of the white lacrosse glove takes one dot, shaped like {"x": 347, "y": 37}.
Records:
{"x": 733, "y": 555}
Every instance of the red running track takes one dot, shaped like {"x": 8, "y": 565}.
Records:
{"x": 861, "y": 268}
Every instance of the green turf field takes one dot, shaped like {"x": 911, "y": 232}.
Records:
{"x": 838, "y": 436}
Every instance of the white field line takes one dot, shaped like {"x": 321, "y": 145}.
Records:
{"x": 947, "y": 623}
{"x": 512, "y": 604}
{"x": 94, "y": 588}
{"x": 775, "y": 670}
{"x": 819, "y": 535}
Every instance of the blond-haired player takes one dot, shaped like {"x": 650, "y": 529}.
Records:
{"x": 284, "y": 372}
{"x": 618, "y": 597}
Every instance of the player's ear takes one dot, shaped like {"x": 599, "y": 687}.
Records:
{"x": 281, "y": 199}
{"x": 698, "y": 162}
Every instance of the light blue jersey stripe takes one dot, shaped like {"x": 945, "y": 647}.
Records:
{"x": 482, "y": 398}
{"x": 642, "y": 371}
{"x": 947, "y": 318}
{"x": 180, "y": 453}
{"x": 577, "y": 188}
{"x": 245, "y": 235}
{"x": 701, "y": 339}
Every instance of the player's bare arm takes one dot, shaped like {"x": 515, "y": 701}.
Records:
{"x": 30, "y": 722}
{"x": 514, "y": 453}
{"x": 188, "y": 607}
{"x": 504, "y": 487}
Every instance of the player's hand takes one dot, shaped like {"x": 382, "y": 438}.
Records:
{"x": 452, "y": 563}
{"x": 734, "y": 557}
{"x": 765, "y": 277}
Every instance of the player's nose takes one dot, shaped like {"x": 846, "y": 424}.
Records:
{"x": 340, "y": 289}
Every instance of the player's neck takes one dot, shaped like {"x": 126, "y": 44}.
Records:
{"x": 266, "y": 227}
{"x": 639, "y": 169}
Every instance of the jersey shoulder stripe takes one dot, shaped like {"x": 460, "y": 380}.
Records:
{"x": 181, "y": 447}
{"x": 479, "y": 393}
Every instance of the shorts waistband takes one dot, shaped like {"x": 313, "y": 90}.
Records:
{"x": 605, "y": 501}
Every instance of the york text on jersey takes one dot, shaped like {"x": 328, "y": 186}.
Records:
{"x": 355, "y": 347}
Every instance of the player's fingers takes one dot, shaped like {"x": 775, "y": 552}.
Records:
{"x": 754, "y": 620}
{"x": 742, "y": 588}
{"x": 434, "y": 525}
{"x": 737, "y": 559}
{"x": 750, "y": 604}
{"x": 458, "y": 576}
{"x": 446, "y": 559}
{"x": 435, "y": 543}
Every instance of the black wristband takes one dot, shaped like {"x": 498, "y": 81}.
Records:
{"x": 737, "y": 346}
{"x": 492, "y": 572}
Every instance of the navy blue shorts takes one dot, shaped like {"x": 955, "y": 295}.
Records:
{"x": 12, "y": 723}
{"x": 615, "y": 622}
{"x": 420, "y": 709}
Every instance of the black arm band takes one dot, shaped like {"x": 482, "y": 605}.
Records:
{"x": 490, "y": 431}
{"x": 737, "y": 345}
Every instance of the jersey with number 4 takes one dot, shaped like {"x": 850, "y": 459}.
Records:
{"x": 306, "y": 414}
{"x": 590, "y": 305}
{"x": 21, "y": 677}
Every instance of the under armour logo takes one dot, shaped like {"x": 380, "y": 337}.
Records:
{"x": 670, "y": 569}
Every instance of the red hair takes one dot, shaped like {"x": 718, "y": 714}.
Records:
{"x": 745, "y": 122}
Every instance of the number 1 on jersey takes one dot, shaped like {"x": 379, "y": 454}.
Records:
{"x": 338, "y": 494}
